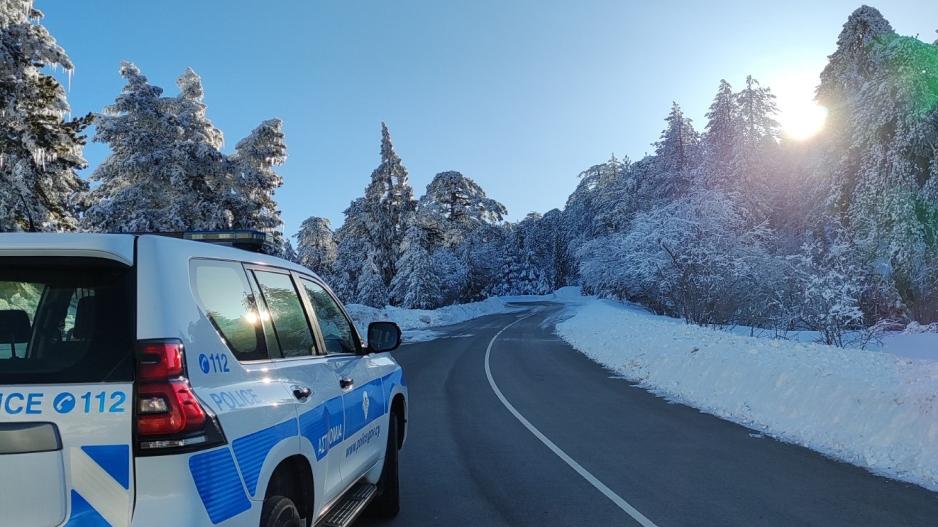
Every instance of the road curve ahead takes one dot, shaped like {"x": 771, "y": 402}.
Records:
{"x": 555, "y": 439}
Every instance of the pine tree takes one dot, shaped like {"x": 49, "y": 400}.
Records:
{"x": 316, "y": 247}
{"x": 371, "y": 289}
{"x": 255, "y": 180}
{"x": 416, "y": 284}
{"x": 454, "y": 206}
{"x": 720, "y": 140}
{"x": 520, "y": 272}
{"x": 40, "y": 150}
{"x": 755, "y": 148}
{"x": 882, "y": 91}
{"x": 848, "y": 69}
{"x": 165, "y": 171}
{"x": 388, "y": 207}
{"x": 675, "y": 155}
{"x": 757, "y": 110}
{"x": 351, "y": 243}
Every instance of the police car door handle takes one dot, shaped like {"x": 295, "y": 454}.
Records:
{"x": 346, "y": 382}
{"x": 302, "y": 392}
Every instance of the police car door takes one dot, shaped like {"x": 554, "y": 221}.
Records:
{"x": 366, "y": 421}
{"x": 308, "y": 376}
{"x": 66, "y": 369}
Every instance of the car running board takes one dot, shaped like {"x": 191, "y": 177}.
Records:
{"x": 350, "y": 507}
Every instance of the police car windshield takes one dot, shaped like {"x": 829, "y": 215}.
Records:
{"x": 65, "y": 320}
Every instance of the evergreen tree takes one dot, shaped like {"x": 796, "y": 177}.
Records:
{"x": 755, "y": 148}
{"x": 720, "y": 139}
{"x": 882, "y": 91}
{"x": 520, "y": 273}
{"x": 255, "y": 180}
{"x": 454, "y": 206}
{"x": 371, "y": 289}
{"x": 40, "y": 150}
{"x": 316, "y": 247}
{"x": 416, "y": 284}
{"x": 388, "y": 207}
{"x": 757, "y": 110}
{"x": 165, "y": 171}
{"x": 675, "y": 155}
{"x": 848, "y": 69}
{"x": 351, "y": 244}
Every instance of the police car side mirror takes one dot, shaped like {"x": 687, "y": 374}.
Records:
{"x": 383, "y": 336}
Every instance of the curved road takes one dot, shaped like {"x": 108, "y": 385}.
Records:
{"x": 470, "y": 461}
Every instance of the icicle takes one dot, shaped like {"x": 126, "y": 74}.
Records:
{"x": 68, "y": 74}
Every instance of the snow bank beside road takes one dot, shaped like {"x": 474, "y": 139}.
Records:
{"x": 417, "y": 323}
{"x": 868, "y": 408}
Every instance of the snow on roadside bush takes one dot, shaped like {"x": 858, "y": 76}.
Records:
{"x": 872, "y": 409}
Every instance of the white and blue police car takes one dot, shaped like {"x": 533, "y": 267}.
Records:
{"x": 148, "y": 380}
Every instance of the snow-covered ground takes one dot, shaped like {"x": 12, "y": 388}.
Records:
{"x": 873, "y": 409}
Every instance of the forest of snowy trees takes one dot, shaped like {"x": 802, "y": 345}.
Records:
{"x": 731, "y": 224}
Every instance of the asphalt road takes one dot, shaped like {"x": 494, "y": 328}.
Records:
{"x": 470, "y": 461}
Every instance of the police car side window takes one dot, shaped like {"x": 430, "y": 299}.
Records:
{"x": 225, "y": 296}
{"x": 286, "y": 314}
{"x": 337, "y": 330}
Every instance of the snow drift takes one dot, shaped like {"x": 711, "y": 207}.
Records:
{"x": 870, "y": 408}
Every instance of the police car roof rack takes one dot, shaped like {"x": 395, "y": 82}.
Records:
{"x": 248, "y": 240}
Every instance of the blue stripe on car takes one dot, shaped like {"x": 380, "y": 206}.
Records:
{"x": 218, "y": 484}
{"x": 251, "y": 450}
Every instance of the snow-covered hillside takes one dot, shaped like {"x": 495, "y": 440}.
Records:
{"x": 873, "y": 409}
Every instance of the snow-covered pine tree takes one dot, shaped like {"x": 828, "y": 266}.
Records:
{"x": 388, "y": 206}
{"x": 675, "y": 155}
{"x": 755, "y": 148}
{"x": 482, "y": 253}
{"x": 604, "y": 201}
{"x": 165, "y": 168}
{"x": 371, "y": 289}
{"x": 351, "y": 241}
{"x": 719, "y": 141}
{"x": 882, "y": 91}
{"x": 254, "y": 180}
{"x": 416, "y": 284}
{"x": 316, "y": 247}
{"x": 520, "y": 273}
{"x": 40, "y": 150}
{"x": 453, "y": 206}
{"x": 848, "y": 69}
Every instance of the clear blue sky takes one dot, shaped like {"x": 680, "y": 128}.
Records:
{"x": 519, "y": 95}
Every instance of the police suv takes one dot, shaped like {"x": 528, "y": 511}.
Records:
{"x": 148, "y": 380}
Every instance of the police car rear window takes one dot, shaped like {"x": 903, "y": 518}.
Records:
{"x": 222, "y": 291}
{"x": 65, "y": 320}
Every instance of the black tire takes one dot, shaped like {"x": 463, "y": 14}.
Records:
{"x": 280, "y": 511}
{"x": 388, "y": 502}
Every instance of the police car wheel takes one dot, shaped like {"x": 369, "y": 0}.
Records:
{"x": 388, "y": 502}
{"x": 280, "y": 512}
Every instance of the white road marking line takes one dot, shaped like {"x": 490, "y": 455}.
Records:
{"x": 591, "y": 479}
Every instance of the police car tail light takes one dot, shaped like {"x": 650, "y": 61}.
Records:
{"x": 168, "y": 414}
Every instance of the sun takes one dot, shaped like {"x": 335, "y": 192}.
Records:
{"x": 799, "y": 115}
{"x": 802, "y": 120}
